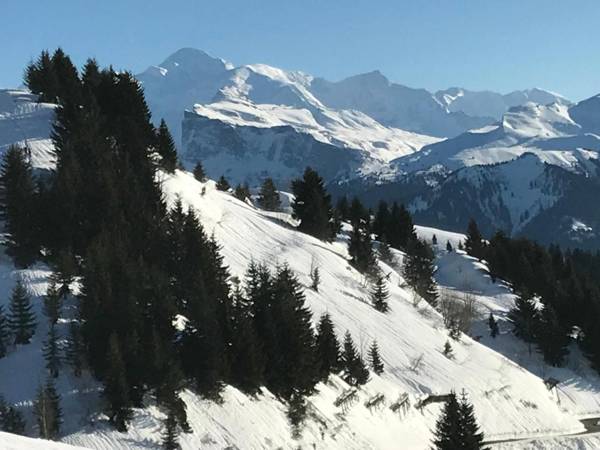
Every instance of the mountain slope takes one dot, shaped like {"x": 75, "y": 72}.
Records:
{"x": 410, "y": 339}
{"x": 24, "y": 121}
{"x": 395, "y": 105}
{"x": 493, "y": 104}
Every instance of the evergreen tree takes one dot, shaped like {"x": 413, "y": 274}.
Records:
{"x": 199, "y": 173}
{"x": 474, "y": 244}
{"x": 170, "y": 438}
{"x": 552, "y": 337}
{"x": 51, "y": 351}
{"x": 448, "y": 433}
{"x": 385, "y": 253}
{"x": 247, "y": 369}
{"x": 4, "y": 333}
{"x": 327, "y": 348}
{"x": 360, "y": 248}
{"x": 524, "y": 317}
{"x": 375, "y": 359}
{"x": 296, "y": 413}
{"x": 382, "y": 221}
{"x": 11, "y": 420}
{"x": 493, "y": 325}
{"x": 418, "y": 270}
{"x": 294, "y": 368}
{"x": 223, "y": 184}
{"x": 115, "y": 387}
{"x": 472, "y": 437}
{"x": 242, "y": 192}
{"x": 355, "y": 371}
{"x": 17, "y": 206}
{"x": 342, "y": 208}
{"x": 312, "y": 206}
{"x": 380, "y": 294}
{"x": 21, "y": 319}
{"x": 65, "y": 271}
{"x": 268, "y": 197}
{"x": 449, "y": 248}
{"x": 315, "y": 278}
{"x": 41, "y": 79}
{"x": 165, "y": 146}
{"x": 52, "y": 303}
{"x": 47, "y": 411}
{"x": 402, "y": 229}
{"x": 75, "y": 351}
{"x": 448, "y": 352}
{"x": 434, "y": 240}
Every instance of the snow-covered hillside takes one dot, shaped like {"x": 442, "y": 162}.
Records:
{"x": 24, "y": 121}
{"x": 506, "y": 387}
{"x": 13, "y": 442}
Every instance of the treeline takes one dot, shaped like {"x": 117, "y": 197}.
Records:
{"x": 558, "y": 292}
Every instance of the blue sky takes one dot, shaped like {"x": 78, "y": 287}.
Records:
{"x": 479, "y": 44}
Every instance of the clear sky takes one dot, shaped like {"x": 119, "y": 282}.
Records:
{"x": 479, "y": 44}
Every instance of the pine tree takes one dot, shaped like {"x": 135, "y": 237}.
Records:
{"x": 51, "y": 351}
{"x": 199, "y": 173}
{"x": 327, "y": 348}
{"x": 449, "y": 248}
{"x": 247, "y": 371}
{"x": 170, "y": 439}
{"x": 448, "y": 433}
{"x": 21, "y": 319}
{"x": 294, "y": 368}
{"x": 355, "y": 371}
{"x": 312, "y": 206}
{"x": 434, "y": 240}
{"x": 418, "y": 270}
{"x": 360, "y": 248}
{"x": 342, "y": 208}
{"x": 17, "y": 206}
{"x": 472, "y": 437}
{"x": 315, "y": 277}
{"x": 448, "y": 352}
{"x": 552, "y": 337}
{"x": 223, "y": 184}
{"x": 524, "y": 317}
{"x": 493, "y": 325}
{"x": 268, "y": 197}
{"x": 474, "y": 244}
{"x": 380, "y": 294}
{"x": 385, "y": 253}
{"x": 165, "y": 146}
{"x": 4, "y": 333}
{"x": 115, "y": 387}
{"x": 52, "y": 303}
{"x": 375, "y": 359}
{"x": 242, "y": 192}
{"x": 296, "y": 413}
{"x": 47, "y": 411}
{"x": 11, "y": 420}
{"x": 65, "y": 271}
{"x": 75, "y": 351}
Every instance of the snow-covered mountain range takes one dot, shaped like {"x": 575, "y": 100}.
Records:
{"x": 369, "y": 117}
{"x": 378, "y": 139}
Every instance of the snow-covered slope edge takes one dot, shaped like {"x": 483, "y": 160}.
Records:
{"x": 501, "y": 391}
{"x": 13, "y": 442}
